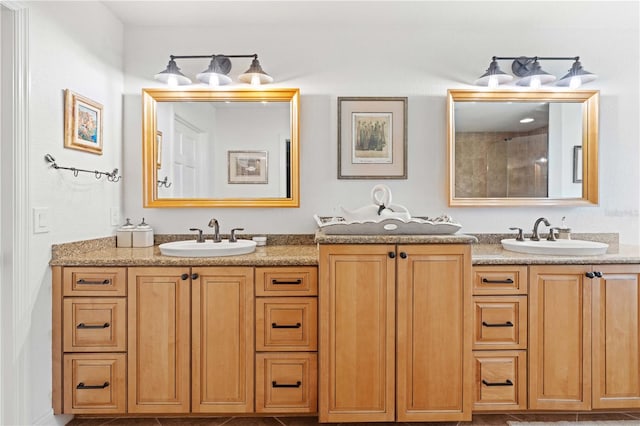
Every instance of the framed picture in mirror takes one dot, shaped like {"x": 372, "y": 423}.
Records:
{"x": 248, "y": 167}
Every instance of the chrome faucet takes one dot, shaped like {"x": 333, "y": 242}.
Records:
{"x": 199, "y": 238}
{"x": 213, "y": 223}
{"x": 534, "y": 234}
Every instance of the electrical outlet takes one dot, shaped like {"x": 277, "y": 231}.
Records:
{"x": 115, "y": 216}
{"x": 40, "y": 220}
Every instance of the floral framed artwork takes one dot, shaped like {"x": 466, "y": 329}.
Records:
{"x": 158, "y": 149}
{"x": 248, "y": 167}
{"x": 82, "y": 123}
{"x": 372, "y": 138}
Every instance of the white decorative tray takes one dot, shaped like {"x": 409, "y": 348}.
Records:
{"x": 389, "y": 226}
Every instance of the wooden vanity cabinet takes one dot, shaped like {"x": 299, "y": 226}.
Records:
{"x": 500, "y": 337}
{"x": 358, "y": 340}
{"x": 159, "y": 336}
{"x": 584, "y": 330}
{"x": 89, "y": 340}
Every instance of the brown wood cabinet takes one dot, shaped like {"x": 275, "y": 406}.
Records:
{"x": 158, "y": 360}
{"x": 584, "y": 337}
{"x": 500, "y": 337}
{"x": 222, "y": 340}
{"x": 358, "y": 302}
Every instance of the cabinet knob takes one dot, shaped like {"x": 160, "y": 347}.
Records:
{"x": 403, "y": 255}
{"x": 392, "y": 254}
{"x": 590, "y": 275}
{"x": 598, "y": 274}
{"x": 194, "y": 276}
{"x": 184, "y": 277}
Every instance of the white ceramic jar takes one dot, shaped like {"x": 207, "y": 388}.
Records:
{"x": 124, "y": 237}
{"x": 142, "y": 235}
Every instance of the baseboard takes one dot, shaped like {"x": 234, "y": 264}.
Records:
{"x": 50, "y": 420}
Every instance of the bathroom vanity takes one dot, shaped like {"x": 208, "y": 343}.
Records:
{"x": 354, "y": 329}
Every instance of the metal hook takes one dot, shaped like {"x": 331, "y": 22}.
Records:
{"x": 164, "y": 183}
{"x": 98, "y": 174}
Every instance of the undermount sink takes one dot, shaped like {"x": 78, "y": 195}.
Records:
{"x": 191, "y": 248}
{"x": 558, "y": 247}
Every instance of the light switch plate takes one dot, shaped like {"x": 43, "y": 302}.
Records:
{"x": 40, "y": 220}
{"x": 115, "y": 216}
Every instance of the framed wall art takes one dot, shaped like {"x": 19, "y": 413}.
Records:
{"x": 82, "y": 123}
{"x": 577, "y": 164}
{"x": 372, "y": 138}
{"x": 248, "y": 167}
{"x": 158, "y": 149}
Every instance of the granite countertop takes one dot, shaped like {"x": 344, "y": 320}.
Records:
{"x": 494, "y": 254}
{"x": 301, "y": 251}
{"x": 278, "y": 255}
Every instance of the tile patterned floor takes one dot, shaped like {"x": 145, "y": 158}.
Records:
{"x": 478, "y": 419}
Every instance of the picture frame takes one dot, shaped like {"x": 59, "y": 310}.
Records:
{"x": 577, "y": 164}
{"x": 158, "y": 149}
{"x": 82, "y": 123}
{"x": 248, "y": 167}
{"x": 372, "y": 138}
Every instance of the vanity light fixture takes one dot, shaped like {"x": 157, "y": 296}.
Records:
{"x": 531, "y": 73}
{"x": 217, "y": 72}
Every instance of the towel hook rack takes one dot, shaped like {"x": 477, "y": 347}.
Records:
{"x": 111, "y": 176}
{"x": 164, "y": 183}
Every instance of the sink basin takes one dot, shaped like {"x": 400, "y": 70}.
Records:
{"x": 558, "y": 247}
{"x": 191, "y": 248}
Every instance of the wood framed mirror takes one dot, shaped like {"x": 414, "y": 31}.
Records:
{"x": 220, "y": 148}
{"x": 508, "y": 148}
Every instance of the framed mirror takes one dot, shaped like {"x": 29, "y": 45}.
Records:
{"x": 508, "y": 148}
{"x": 220, "y": 148}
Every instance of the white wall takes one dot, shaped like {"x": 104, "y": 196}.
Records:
{"x": 79, "y": 46}
{"x": 413, "y": 49}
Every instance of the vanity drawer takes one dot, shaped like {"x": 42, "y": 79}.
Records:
{"x": 500, "y": 322}
{"x": 500, "y": 380}
{"x": 499, "y": 279}
{"x": 286, "y": 324}
{"x": 94, "y": 324}
{"x": 90, "y": 281}
{"x": 286, "y": 382}
{"x": 287, "y": 281}
{"x": 94, "y": 383}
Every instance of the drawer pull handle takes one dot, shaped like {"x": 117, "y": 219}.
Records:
{"x": 275, "y": 325}
{"x": 506, "y": 324}
{"x": 85, "y": 326}
{"x": 275, "y": 384}
{"x": 83, "y": 386}
{"x": 506, "y": 383}
{"x": 294, "y": 282}
{"x": 488, "y": 281}
{"x": 85, "y": 282}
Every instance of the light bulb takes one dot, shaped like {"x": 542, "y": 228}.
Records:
{"x": 535, "y": 82}
{"x": 575, "y": 82}
{"x": 172, "y": 81}
{"x": 255, "y": 80}
{"x": 214, "y": 80}
{"x": 493, "y": 82}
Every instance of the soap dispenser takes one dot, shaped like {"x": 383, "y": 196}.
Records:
{"x": 564, "y": 232}
{"x": 124, "y": 236}
{"x": 142, "y": 235}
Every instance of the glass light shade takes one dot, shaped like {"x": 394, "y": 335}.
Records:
{"x": 216, "y": 73}
{"x": 536, "y": 77}
{"x": 576, "y": 76}
{"x": 255, "y": 75}
{"x": 172, "y": 75}
{"x": 494, "y": 76}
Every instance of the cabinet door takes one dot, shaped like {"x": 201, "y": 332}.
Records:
{"x": 357, "y": 333}
{"x": 559, "y": 338}
{"x": 158, "y": 336}
{"x": 435, "y": 377}
{"x": 616, "y": 337}
{"x": 223, "y": 340}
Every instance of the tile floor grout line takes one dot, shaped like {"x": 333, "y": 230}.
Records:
{"x": 280, "y": 421}
{"x": 226, "y": 421}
